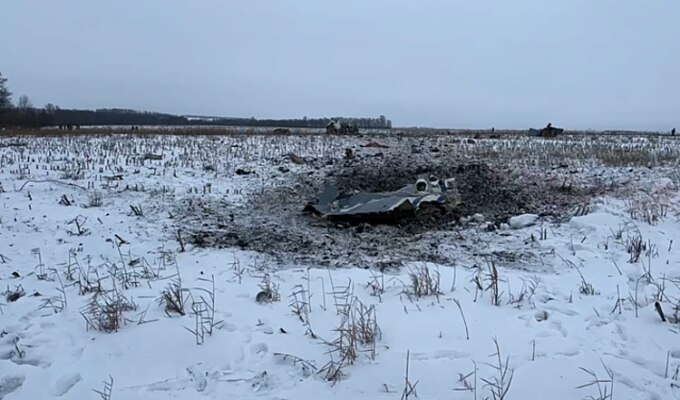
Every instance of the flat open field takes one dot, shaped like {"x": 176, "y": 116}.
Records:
{"x": 180, "y": 265}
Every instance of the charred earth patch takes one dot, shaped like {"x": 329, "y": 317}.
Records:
{"x": 272, "y": 219}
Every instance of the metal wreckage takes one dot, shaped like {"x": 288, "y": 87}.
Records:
{"x": 548, "y": 131}
{"x": 426, "y": 196}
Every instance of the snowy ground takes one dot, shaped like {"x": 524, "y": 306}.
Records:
{"x": 580, "y": 296}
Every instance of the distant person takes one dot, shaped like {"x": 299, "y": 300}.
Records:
{"x": 673, "y": 132}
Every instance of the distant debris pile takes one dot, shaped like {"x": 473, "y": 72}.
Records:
{"x": 548, "y": 131}
{"x": 337, "y": 127}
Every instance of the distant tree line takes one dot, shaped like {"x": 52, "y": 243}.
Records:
{"x": 366, "y": 122}
{"x": 132, "y": 117}
{"x": 113, "y": 117}
{"x": 24, "y": 114}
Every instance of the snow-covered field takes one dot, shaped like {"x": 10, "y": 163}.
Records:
{"x": 92, "y": 271}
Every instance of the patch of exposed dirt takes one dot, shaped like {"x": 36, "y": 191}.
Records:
{"x": 496, "y": 191}
{"x": 273, "y": 222}
{"x": 481, "y": 189}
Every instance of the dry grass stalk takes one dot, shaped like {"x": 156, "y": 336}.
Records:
{"x": 107, "y": 392}
{"x": 173, "y": 297}
{"x": 204, "y": 312}
{"x": 605, "y": 387}
{"x": 105, "y": 312}
{"x": 424, "y": 282}
{"x": 409, "y": 388}
{"x": 79, "y": 222}
{"x": 12, "y": 295}
{"x": 493, "y": 286}
{"x": 462, "y": 315}
{"x": 299, "y": 304}
{"x": 269, "y": 291}
{"x": 358, "y": 331}
{"x": 499, "y": 384}
{"x": 465, "y": 385}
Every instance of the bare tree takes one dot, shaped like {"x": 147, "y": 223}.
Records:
{"x": 51, "y": 108}
{"x": 5, "y": 94}
{"x": 24, "y": 103}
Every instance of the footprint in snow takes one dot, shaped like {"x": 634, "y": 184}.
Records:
{"x": 9, "y": 338}
{"x": 261, "y": 382}
{"x": 569, "y": 352}
{"x": 621, "y": 331}
{"x": 448, "y": 354}
{"x": 14, "y": 350}
{"x": 10, "y": 383}
{"x": 65, "y": 383}
{"x": 266, "y": 329}
{"x": 199, "y": 376}
{"x": 541, "y": 315}
{"x": 47, "y": 325}
{"x": 258, "y": 351}
{"x": 545, "y": 334}
{"x": 561, "y": 310}
{"x": 558, "y": 326}
{"x": 33, "y": 362}
{"x": 228, "y": 327}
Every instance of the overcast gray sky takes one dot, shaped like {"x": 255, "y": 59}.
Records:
{"x": 445, "y": 63}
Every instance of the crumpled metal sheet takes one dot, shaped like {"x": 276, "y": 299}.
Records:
{"x": 332, "y": 203}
